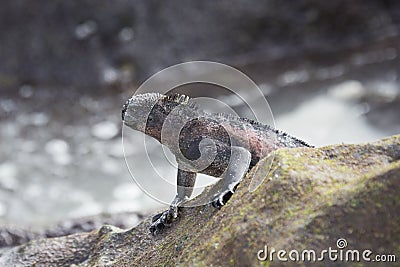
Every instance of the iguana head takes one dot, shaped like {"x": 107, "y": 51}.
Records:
{"x": 147, "y": 112}
{"x": 136, "y": 111}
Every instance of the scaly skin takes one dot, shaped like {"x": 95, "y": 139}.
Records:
{"x": 202, "y": 143}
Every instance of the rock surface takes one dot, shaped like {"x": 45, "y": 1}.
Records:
{"x": 310, "y": 199}
{"x": 13, "y": 235}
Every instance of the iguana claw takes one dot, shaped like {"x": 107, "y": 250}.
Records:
{"x": 162, "y": 220}
{"x": 220, "y": 199}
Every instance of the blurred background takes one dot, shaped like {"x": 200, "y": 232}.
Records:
{"x": 329, "y": 69}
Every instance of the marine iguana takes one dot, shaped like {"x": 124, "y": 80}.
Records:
{"x": 218, "y": 145}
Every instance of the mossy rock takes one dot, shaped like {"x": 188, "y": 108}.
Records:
{"x": 308, "y": 199}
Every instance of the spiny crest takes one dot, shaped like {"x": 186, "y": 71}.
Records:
{"x": 227, "y": 116}
{"x": 178, "y": 98}
{"x": 282, "y": 134}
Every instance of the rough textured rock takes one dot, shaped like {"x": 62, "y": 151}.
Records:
{"x": 88, "y": 43}
{"x": 13, "y": 235}
{"x": 311, "y": 198}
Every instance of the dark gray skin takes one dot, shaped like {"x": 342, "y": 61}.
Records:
{"x": 218, "y": 145}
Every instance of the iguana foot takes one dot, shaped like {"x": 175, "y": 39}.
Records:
{"x": 238, "y": 166}
{"x": 163, "y": 219}
{"x": 220, "y": 199}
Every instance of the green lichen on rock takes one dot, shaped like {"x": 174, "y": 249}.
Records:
{"x": 307, "y": 199}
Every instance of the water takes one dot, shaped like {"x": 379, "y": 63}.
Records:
{"x": 61, "y": 153}
{"x": 326, "y": 119}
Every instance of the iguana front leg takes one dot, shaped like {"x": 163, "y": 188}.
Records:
{"x": 185, "y": 182}
{"x": 238, "y": 166}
